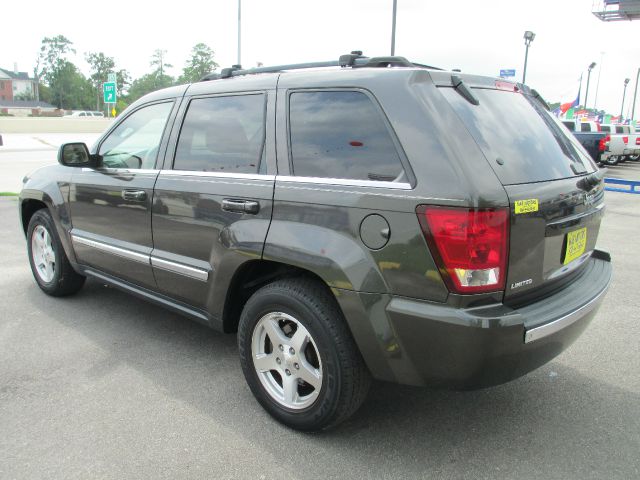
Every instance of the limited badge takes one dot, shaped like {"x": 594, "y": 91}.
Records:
{"x": 526, "y": 206}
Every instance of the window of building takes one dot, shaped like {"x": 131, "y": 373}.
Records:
{"x": 341, "y": 134}
{"x": 222, "y": 134}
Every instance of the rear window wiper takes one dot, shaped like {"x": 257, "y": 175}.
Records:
{"x": 464, "y": 90}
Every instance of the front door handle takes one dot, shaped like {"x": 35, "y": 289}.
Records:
{"x": 240, "y": 206}
{"x": 134, "y": 195}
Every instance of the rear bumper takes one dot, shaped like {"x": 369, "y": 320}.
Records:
{"x": 424, "y": 343}
{"x": 626, "y": 151}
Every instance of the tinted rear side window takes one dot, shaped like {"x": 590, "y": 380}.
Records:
{"x": 222, "y": 134}
{"x": 585, "y": 127}
{"x": 528, "y": 140}
{"x": 341, "y": 134}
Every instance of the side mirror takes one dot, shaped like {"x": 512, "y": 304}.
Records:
{"x": 77, "y": 155}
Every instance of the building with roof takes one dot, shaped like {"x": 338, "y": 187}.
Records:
{"x": 15, "y": 85}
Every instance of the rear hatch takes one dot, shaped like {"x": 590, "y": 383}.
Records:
{"x": 554, "y": 189}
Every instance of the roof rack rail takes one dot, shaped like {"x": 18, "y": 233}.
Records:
{"x": 354, "y": 59}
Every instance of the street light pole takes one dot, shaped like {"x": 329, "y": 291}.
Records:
{"x": 239, "y": 28}
{"x": 393, "y": 28}
{"x": 528, "y": 38}
{"x": 635, "y": 92}
{"x": 586, "y": 95}
{"x": 624, "y": 92}
{"x": 595, "y": 100}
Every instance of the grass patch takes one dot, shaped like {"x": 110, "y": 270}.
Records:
{"x": 8, "y": 194}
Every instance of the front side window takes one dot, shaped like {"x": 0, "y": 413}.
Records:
{"x": 134, "y": 143}
{"x": 341, "y": 134}
{"x": 222, "y": 134}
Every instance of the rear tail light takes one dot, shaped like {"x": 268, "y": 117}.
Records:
{"x": 470, "y": 246}
{"x": 625, "y": 140}
{"x": 602, "y": 144}
{"x": 637, "y": 140}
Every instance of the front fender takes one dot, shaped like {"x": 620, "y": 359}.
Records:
{"x": 50, "y": 186}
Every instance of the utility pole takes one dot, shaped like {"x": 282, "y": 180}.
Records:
{"x": 239, "y": 30}
{"x": 595, "y": 101}
{"x": 393, "y": 28}
{"x": 635, "y": 92}
{"x": 624, "y": 92}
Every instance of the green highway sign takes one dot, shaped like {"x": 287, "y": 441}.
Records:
{"x": 109, "y": 91}
{"x": 111, "y": 78}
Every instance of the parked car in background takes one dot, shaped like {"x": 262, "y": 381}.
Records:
{"x": 615, "y": 129}
{"x": 592, "y": 141}
{"x": 586, "y": 127}
{"x": 621, "y": 147}
{"x": 84, "y": 113}
{"x": 409, "y": 224}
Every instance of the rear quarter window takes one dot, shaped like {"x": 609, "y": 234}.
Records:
{"x": 341, "y": 134}
{"x": 514, "y": 129}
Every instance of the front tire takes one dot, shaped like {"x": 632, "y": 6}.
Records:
{"x": 49, "y": 263}
{"x": 298, "y": 356}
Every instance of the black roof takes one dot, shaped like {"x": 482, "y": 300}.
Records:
{"x": 15, "y": 75}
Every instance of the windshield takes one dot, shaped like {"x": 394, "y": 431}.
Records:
{"x": 521, "y": 140}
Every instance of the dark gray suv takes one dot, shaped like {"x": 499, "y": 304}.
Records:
{"x": 368, "y": 218}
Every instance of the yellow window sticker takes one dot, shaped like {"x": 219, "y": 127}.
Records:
{"x": 527, "y": 206}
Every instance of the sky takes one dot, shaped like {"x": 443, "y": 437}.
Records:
{"x": 479, "y": 37}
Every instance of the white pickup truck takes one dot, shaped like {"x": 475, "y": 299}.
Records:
{"x": 621, "y": 147}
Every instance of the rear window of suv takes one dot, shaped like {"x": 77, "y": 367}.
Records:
{"x": 513, "y": 129}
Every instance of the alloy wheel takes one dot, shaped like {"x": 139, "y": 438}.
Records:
{"x": 286, "y": 360}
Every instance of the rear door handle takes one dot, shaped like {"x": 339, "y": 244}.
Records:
{"x": 134, "y": 195}
{"x": 240, "y": 206}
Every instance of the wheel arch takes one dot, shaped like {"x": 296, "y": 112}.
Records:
{"x": 250, "y": 277}
{"x": 28, "y": 207}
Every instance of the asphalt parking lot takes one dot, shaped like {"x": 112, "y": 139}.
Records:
{"x": 103, "y": 385}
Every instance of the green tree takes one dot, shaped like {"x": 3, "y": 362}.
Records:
{"x": 200, "y": 64}
{"x": 68, "y": 88}
{"x": 101, "y": 66}
{"x": 158, "y": 61}
{"x": 53, "y": 52}
{"x": 148, "y": 83}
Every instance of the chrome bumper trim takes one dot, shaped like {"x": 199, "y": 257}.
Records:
{"x": 563, "y": 322}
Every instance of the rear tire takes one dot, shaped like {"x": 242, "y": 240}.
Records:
{"x": 612, "y": 160}
{"x": 298, "y": 356}
{"x": 49, "y": 263}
